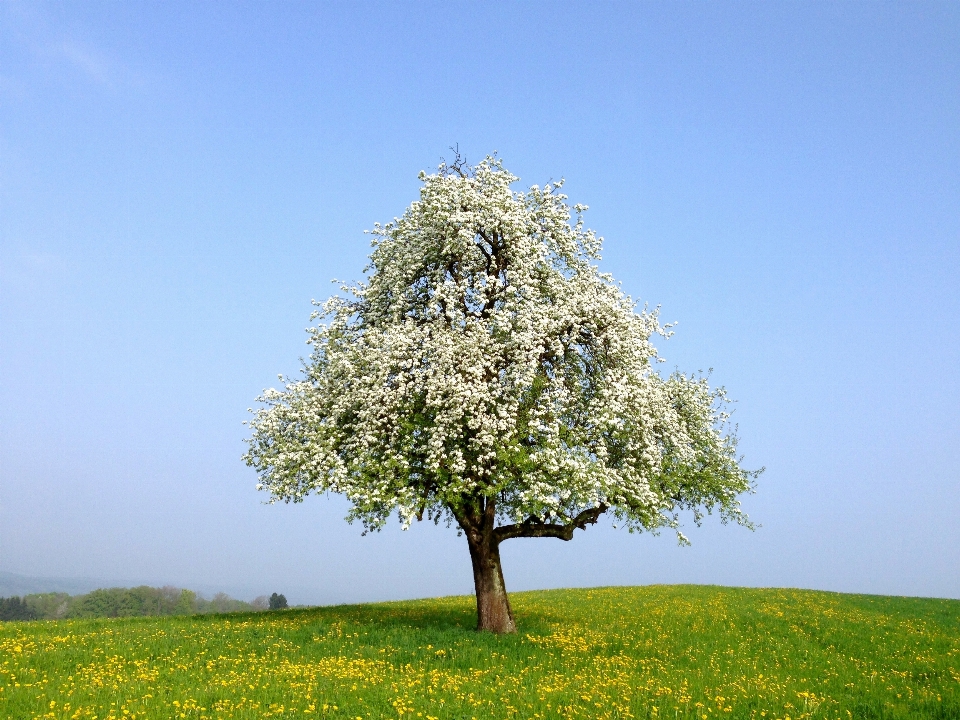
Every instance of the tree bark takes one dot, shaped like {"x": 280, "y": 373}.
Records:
{"x": 493, "y": 606}
{"x": 477, "y": 518}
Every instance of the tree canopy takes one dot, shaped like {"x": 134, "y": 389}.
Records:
{"x": 488, "y": 374}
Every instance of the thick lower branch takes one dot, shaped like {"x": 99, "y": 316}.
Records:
{"x": 534, "y": 527}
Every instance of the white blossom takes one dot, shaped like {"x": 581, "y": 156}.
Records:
{"x": 486, "y": 356}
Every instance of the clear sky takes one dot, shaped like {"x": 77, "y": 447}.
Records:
{"x": 179, "y": 180}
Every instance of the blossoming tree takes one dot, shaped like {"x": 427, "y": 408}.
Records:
{"x": 487, "y": 374}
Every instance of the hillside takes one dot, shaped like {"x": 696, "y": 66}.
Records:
{"x": 12, "y": 584}
{"x": 641, "y": 652}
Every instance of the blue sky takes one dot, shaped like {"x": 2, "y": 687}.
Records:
{"x": 180, "y": 180}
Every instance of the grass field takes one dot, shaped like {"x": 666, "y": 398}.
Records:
{"x": 644, "y": 652}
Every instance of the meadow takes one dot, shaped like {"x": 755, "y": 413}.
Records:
{"x": 636, "y": 652}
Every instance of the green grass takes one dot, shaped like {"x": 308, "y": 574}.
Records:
{"x": 643, "y": 652}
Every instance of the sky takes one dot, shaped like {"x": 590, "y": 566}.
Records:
{"x": 179, "y": 180}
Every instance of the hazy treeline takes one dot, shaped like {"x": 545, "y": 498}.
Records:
{"x": 124, "y": 602}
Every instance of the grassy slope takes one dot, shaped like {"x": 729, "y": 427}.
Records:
{"x": 668, "y": 652}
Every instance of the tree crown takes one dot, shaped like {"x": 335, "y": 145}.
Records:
{"x": 487, "y": 359}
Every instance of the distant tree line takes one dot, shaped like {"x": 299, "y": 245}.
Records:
{"x": 129, "y": 602}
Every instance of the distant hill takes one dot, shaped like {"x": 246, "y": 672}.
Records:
{"x": 12, "y": 584}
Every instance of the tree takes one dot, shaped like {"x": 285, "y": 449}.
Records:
{"x": 186, "y": 603}
{"x": 278, "y": 602}
{"x": 260, "y": 602}
{"x": 15, "y": 608}
{"x": 487, "y": 374}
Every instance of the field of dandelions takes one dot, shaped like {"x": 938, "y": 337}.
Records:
{"x": 644, "y": 652}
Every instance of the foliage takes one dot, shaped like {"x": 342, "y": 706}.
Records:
{"x": 186, "y": 603}
{"x": 52, "y": 605}
{"x": 123, "y": 602}
{"x": 648, "y": 652}
{"x": 487, "y": 360}
{"x": 223, "y": 603}
{"x": 14, "y": 608}
{"x": 278, "y": 602}
{"x": 261, "y": 602}
{"x": 120, "y": 602}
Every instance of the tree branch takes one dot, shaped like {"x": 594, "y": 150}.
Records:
{"x": 459, "y": 165}
{"x": 535, "y": 527}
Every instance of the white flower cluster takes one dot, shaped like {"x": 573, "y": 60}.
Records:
{"x": 486, "y": 357}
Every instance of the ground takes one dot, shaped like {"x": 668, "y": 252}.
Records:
{"x": 635, "y": 652}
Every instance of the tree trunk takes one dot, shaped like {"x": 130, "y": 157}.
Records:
{"x": 493, "y": 605}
